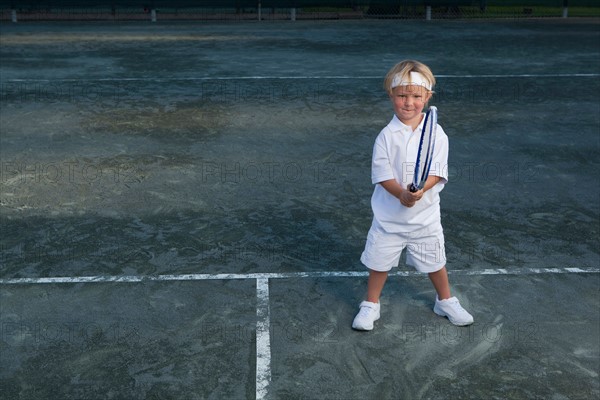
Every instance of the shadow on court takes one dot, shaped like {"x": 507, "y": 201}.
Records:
{"x": 168, "y": 154}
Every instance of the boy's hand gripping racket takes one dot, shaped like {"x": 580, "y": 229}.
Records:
{"x": 425, "y": 153}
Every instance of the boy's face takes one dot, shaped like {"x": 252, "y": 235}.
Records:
{"x": 409, "y": 102}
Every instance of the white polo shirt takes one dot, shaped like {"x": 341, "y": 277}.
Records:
{"x": 394, "y": 157}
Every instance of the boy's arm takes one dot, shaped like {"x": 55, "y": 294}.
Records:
{"x": 431, "y": 181}
{"x": 406, "y": 197}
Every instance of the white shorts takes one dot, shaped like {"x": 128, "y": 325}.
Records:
{"x": 425, "y": 249}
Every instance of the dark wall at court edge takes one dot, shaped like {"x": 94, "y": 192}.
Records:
{"x": 282, "y": 3}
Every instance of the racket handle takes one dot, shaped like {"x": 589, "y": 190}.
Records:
{"x": 413, "y": 188}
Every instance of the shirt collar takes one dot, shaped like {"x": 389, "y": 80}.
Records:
{"x": 396, "y": 125}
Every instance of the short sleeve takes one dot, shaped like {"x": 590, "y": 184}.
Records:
{"x": 439, "y": 166}
{"x": 381, "y": 167}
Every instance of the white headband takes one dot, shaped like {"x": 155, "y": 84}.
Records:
{"x": 415, "y": 78}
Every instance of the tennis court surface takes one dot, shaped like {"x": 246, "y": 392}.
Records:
{"x": 184, "y": 205}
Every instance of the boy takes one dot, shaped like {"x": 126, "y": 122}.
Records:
{"x": 402, "y": 218}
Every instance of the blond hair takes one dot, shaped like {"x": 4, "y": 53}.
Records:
{"x": 404, "y": 68}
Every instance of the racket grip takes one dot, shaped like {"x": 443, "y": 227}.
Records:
{"x": 413, "y": 188}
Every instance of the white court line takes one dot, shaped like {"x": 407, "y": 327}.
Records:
{"x": 263, "y": 338}
{"x": 263, "y": 323}
{"x": 261, "y": 77}
{"x": 282, "y": 275}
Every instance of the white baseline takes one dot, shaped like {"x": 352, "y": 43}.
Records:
{"x": 306, "y": 77}
{"x": 280, "y": 275}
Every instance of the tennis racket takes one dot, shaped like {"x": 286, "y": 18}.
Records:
{"x": 425, "y": 153}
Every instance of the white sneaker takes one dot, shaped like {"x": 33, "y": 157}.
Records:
{"x": 369, "y": 313}
{"x": 452, "y": 309}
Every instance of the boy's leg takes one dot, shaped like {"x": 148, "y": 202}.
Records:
{"x": 382, "y": 252}
{"x": 445, "y": 305}
{"x": 369, "y": 309}
{"x": 375, "y": 285}
{"x": 440, "y": 283}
